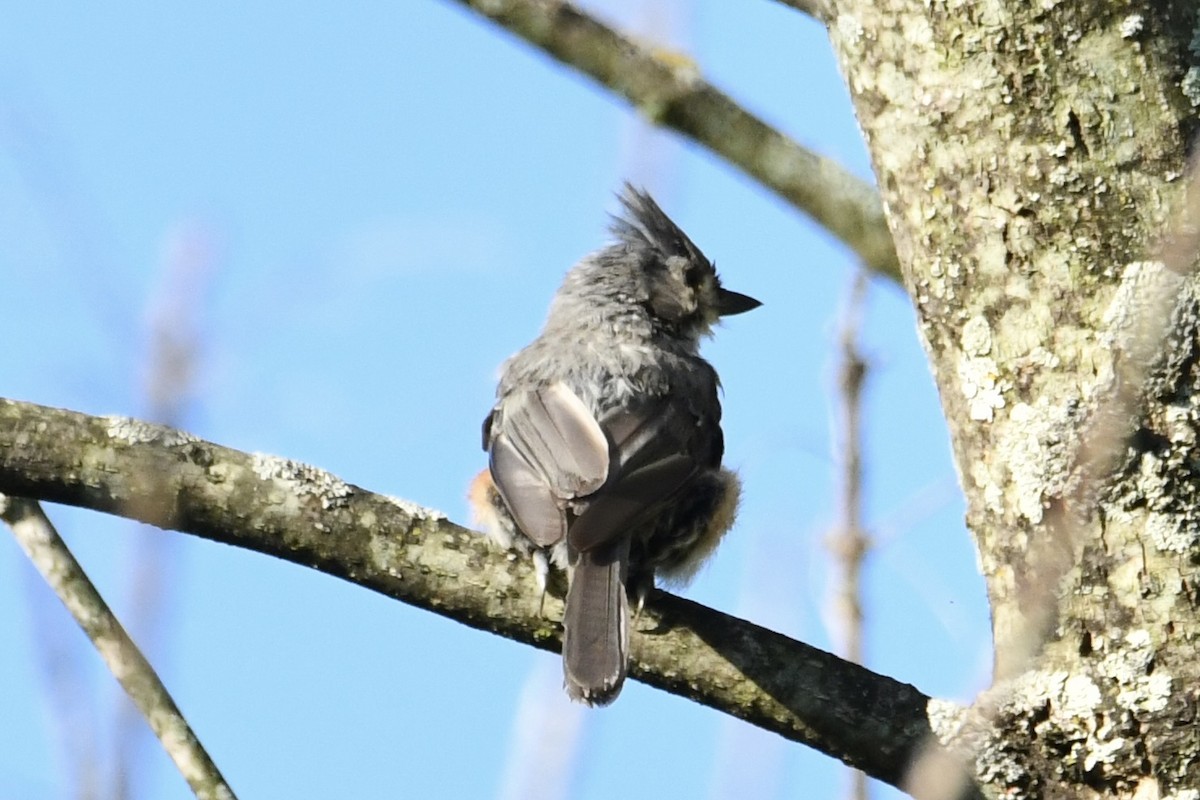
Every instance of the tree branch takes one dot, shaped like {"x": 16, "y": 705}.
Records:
{"x": 820, "y": 10}
{"x": 305, "y": 515}
{"x": 58, "y": 566}
{"x": 668, "y": 89}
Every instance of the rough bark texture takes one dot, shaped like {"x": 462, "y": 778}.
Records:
{"x": 305, "y": 515}
{"x": 1030, "y": 155}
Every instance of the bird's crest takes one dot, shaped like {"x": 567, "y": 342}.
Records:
{"x": 644, "y": 224}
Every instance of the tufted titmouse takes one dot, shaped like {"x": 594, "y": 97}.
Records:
{"x": 605, "y": 441}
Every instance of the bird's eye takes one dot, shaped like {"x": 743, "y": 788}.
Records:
{"x": 702, "y": 281}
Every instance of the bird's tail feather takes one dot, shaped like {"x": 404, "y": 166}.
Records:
{"x": 596, "y": 625}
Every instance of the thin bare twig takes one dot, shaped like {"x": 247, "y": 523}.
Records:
{"x": 668, "y": 89}
{"x": 175, "y": 314}
{"x": 50, "y": 555}
{"x": 849, "y": 541}
{"x": 62, "y": 669}
{"x": 53, "y": 189}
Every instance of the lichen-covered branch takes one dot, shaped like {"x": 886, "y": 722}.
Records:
{"x": 667, "y": 88}
{"x": 302, "y": 514}
{"x": 58, "y": 566}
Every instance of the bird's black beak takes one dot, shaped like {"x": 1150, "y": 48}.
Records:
{"x": 734, "y": 303}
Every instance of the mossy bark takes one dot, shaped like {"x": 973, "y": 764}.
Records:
{"x": 1031, "y": 157}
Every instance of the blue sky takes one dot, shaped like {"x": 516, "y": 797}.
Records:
{"x": 370, "y": 209}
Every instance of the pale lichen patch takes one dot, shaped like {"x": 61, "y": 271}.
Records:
{"x": 993, "y": 496}
{"x": 1180, "y": 425}
{"x": 946, "y": 719}
{"x": 1037, "y": 455}
{"x": 1184, "y": 794}
{"x": 302, "y": 479}
{"x": 1127, "y": 662}
{"x": 966, "y": 731}
{"x": 976, "y": 337}
{"x": 1066, "y": 708}
{"x": 1024, "y": 330}
{"x": 1132, "y": 25}
{"x": 1191, "y": 86}
{"x": 1079, "y": 699}
{"x": 917, "y": 31}
{"x": 1085, "y": 714}
{"x": 415, "y": 511}
{"x": 136, "y": 431}
{"x": 1129, "y": 667}
{"x": 849, "y": 28}
{"x": 1027, "y": 462}
{"x": 1151, "y": 693}
{"x": 981, "y": 385}
{"x": 1152, "y": 477}
{"x": 1103, "y": 751}
{"x": 1169, "y": 533}
{"x": 386, "y": 552}
{"x": 1053, "y": 705}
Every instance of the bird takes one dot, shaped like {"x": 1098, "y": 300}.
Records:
{"x": 605, "y": 444}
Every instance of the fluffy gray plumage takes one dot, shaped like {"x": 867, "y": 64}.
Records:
{"x": 605, "y": 442}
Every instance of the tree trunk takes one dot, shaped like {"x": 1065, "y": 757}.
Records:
{"x": 1031, "y": 156}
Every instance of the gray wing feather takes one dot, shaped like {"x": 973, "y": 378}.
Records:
{"x": 658, "y": 448}
{"x": 549, "y": 450}
{"x": 533, "y": 506}
{"x": 638, "y": 495}
{"x": 554, "y": 431}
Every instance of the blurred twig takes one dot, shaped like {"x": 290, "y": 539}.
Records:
{"x": 62, "y": 670}
{"x": 546, "y": 739}
{"x": 50, "y": 555}
{"x": 56, "y": 190}
{"x": 849, "y": 542}
{"x": 668, "y": 89}
{"x": 175, "y": 314}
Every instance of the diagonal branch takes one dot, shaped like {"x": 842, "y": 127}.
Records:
{"x": 668, "y": 89}
{"x": 58, "y": 566}
{"x": 820, "y": 10}
{"x": 304, "y": 515}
